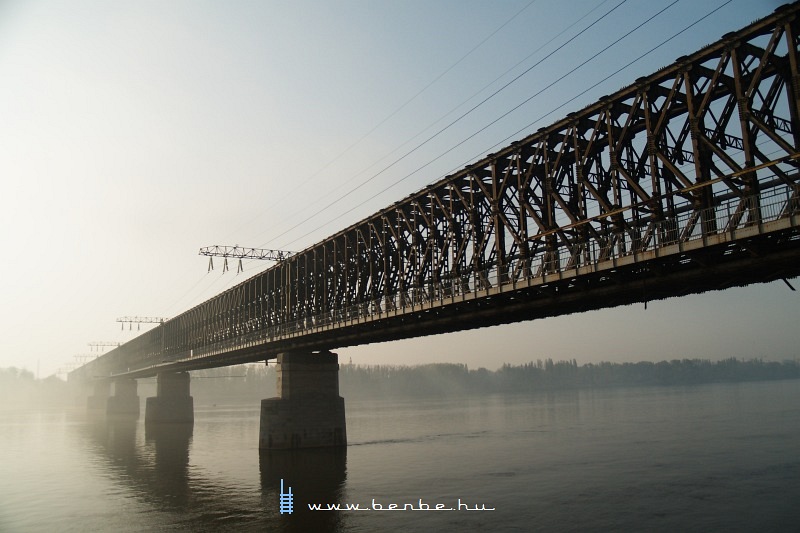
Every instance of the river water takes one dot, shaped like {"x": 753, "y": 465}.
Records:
{"x": 720, "y": 457}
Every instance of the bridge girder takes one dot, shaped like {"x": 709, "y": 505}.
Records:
{"x": 705, "y": 150}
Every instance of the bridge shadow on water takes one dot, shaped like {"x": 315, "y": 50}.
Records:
{"x": 156, "y": 469}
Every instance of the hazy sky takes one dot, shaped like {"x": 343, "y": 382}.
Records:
{"x": 134, "y": 133}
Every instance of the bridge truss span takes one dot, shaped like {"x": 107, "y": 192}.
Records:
{"x": 685, "y": 181}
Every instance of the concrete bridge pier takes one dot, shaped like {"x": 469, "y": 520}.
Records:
{"x": 308, "y": 412}
{"x": 98, "y": 401}
{"x": 172, "y": 403}
{"x": 125, "y": 401}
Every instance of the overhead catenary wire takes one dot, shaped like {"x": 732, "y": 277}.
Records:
{"x": 214, "y": 282}
{"x": 205, "y": 277}
{"x": 206, "y": 289}
{"x": 405, "y": 104}
{"x": 472, "y": 50}
{"x": 463, "y": 103}
{"x": 541, "y": 118}
{"x": 418, "y": 93}
{"x": 528, "y": 127}
{"x": 449, "y": 125}
{"x": 595, "y": 85}
{"x": 409, "y": 175}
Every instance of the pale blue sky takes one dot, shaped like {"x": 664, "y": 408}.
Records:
{"x": 133, "y": 133}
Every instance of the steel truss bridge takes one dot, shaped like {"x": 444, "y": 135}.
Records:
{"x": 683, "y": 182}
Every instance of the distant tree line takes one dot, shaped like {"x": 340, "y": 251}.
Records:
{"x": 567, "y": 374}
{"x": 19, "y": 388}
{"x": 252, "y": 382}
{"x": 448, "y": 379}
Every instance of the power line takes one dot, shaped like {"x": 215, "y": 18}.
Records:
{"x": 573, "y": 70}
{"x": 408, "y": 102}
{"x": 474, "y": 95}
{"x": 504, "y": 141}
{"x": 206, "y": 276}
{"x": 529, "y": 126}
{"x": 428, "y": 86}
{"x": 382, "y": 122}
{"x": 551, "y": 84}
{"x": 451, "y": 124}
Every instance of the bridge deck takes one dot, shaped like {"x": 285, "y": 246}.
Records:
{"x": 685, "y": 181}
{"x": 702, "y": 261}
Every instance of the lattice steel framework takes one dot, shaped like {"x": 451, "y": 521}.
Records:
{"x": 703, "y": 154}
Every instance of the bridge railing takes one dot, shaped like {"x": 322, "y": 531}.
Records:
{"x": 727, "y": 218}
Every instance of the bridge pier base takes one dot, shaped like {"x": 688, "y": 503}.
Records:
{"x": 172, "y": 403}
{"x": 98, "y": 401}
{"x": 308, "y": 413}
{"x": 125, "y": 401}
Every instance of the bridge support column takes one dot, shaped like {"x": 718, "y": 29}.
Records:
{"x": 98, "y": 401}
{"x": 172, "y": 402}
{"x": 125, "y": 401}
{"x": 308, "y": 413}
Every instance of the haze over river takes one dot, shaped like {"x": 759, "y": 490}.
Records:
{"x": 718, "y": 457}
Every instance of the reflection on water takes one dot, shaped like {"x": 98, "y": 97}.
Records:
{"x": 315, "y": 476}
{"x": 715, "y": 457}
{"x": 117, "y": 436}
{"x": 170, "y": 461}
{"x": 158, "y": 469}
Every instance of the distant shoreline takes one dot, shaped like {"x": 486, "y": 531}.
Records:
{"x": 253, "y": 382}
{"x": 548, "y": 375}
